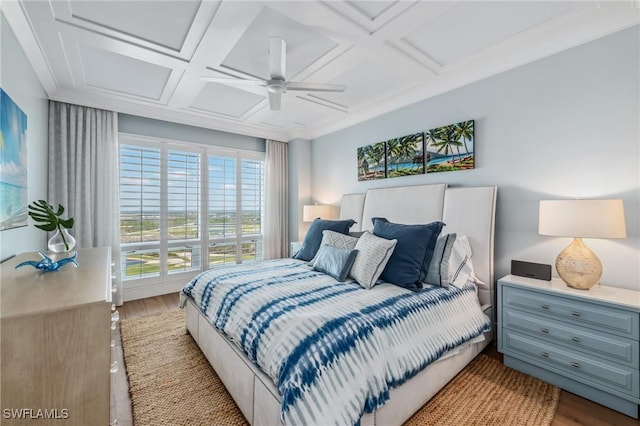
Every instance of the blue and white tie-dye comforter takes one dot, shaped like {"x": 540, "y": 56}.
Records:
{"x": 334, "y": 350}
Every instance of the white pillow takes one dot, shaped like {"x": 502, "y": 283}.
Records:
{"x": 373, "y": 254}
{"x": 451, "y": 262}
{"x": 335, "y": 239}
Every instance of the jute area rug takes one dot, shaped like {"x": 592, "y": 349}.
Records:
{"x": 172, "y": 383}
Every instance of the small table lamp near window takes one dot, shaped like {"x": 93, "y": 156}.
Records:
{"x": 312, "y": 212}
{"x": 577, "y": 265}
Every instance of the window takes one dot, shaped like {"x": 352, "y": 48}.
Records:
{"x": 236, "y": 204}
{"x": 178, "y": 201}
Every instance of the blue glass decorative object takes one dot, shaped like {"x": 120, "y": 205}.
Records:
{"x": 47, "y": 264}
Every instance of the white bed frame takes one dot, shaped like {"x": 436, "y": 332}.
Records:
{"x": 465, "y": 210}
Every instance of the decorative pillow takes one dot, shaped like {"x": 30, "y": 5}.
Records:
{"x": 311, "y": 242}
{"x": 335, "y": 261}
{"x": 373, "y": 255}
{"x": 410, "y": 260}
{"x": 451, "y": 263}
{"x": 335, "y": 239}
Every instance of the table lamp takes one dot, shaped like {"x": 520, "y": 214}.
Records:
{"x": 311, "y": 212}
{"x": 577, "y": 265}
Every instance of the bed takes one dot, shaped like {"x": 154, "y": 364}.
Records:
{"x": 467, "y": 211}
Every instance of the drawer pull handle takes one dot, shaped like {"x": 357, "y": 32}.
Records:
{"x": 575, "y": 365}
{"x": 114, "y": 367}
{"x": 544, "y": 354}
{"x": 575, "y": 339}
{"x": 575, "y": 313}
{"x": 545, "y": 306}
{"x": 545, "y": 330}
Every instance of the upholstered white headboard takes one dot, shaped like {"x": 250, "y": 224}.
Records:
{"x": 465, "y": 210}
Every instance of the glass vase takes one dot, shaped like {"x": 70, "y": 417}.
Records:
{"x": 61, "y": 241}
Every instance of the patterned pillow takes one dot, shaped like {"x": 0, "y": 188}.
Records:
{"x": 335, "y": 239}
{"x": 335, "y": 261}
{"x": 373, "y": 255}
{"x": 451, "y": 262}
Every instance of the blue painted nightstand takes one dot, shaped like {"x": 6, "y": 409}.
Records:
{"x": 584, "y": 341}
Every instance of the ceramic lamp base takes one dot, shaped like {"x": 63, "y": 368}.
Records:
{"x": 578, "y": 266}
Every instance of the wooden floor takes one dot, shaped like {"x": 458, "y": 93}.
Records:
{"x": 572, "y": 409}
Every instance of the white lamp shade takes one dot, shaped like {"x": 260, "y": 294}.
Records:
{"x": 309, "y": 213}
{"x": 582, "y": 218}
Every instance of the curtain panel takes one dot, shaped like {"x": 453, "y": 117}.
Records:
{"x": 276, "y": 230}
{"x": 84, "y": 176}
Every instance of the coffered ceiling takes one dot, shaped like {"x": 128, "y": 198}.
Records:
{"x": 148, "y": 57}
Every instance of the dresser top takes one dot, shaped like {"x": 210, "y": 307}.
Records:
{"x": 612, "y": 295}
{"x": 28, "y": 291}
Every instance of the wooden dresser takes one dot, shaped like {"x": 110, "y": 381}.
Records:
{"x": 56, "y": 337}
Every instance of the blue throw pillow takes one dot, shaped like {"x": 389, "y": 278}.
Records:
{"x": 312, "y": 240}
{"x": 410, "y": 260}
{"x": 335, "y": 261}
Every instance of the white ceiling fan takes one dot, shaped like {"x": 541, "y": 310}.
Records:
{"x": 278, "y": 84}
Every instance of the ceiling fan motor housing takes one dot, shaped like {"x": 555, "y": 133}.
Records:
{"x": 276, "y": 86}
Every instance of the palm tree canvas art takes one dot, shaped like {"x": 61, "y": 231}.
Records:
{"x": 405, "y": 155}
{"x": 450, "y": 147}
{"x": 372, "y": 162}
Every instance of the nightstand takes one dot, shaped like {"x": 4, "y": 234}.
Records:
{"x": 584, "y": 341}
{"x": 294, "y": 247}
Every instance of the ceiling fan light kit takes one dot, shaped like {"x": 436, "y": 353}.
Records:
{"x": 277, "y": 83}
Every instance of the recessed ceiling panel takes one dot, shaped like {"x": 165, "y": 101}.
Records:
{"x": 364, "y": 81}
{"x": 225, "y": 100}
{"x": 120, "y": 73}
{"x": 471, "y": 27}
{"x": 371, "y": 9}
{"x": 165, "y": 23}
{"x": 251, "y": 53}
{"x": 299, "y": 113}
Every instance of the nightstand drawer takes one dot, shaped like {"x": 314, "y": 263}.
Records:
{"x": 583, "y": 368}
{"x": 604, "y": 318}
{"x": 605, "y": 345}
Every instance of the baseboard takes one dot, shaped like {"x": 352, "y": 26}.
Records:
{"x": 143, "y": 292}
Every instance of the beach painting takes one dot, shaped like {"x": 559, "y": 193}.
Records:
{"x": 13, "y": 164}
{"x": 450, "y": 148}
{"x": 405, "y": 155}
{"x": 372, "y": 161}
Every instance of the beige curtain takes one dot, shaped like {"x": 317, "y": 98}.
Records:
{"x": 84, "y": 175}
{"x": 276, "y": 232}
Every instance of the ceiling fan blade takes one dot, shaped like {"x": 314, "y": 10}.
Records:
{"x": 274, "y": 101}
{"x": 277, "y": 58}
{"x": 234, "y": 81}
{"x": 315, "y": 87}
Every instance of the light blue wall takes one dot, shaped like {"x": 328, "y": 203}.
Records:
{"x": 19, "y": 81}
{"x": 182, "y": 132}
{"x": 562, "y": 127}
